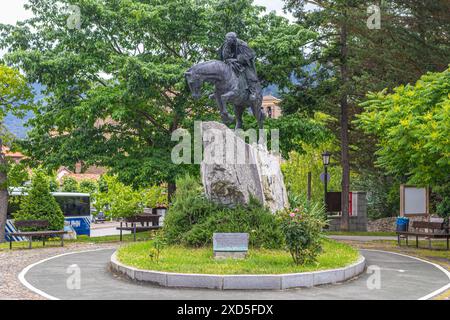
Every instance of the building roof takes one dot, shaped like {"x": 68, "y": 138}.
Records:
{"x": 91, "y": 173}
{"x": 8, "y": 153}
{"x": 83, "y": 176}
{"x": 269, "y": 98}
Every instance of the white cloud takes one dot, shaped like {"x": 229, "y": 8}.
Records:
{"x": 274, "y": 5}
{"x": 13, "y": 11}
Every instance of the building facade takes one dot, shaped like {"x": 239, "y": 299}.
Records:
{"x": 271, "y": 107}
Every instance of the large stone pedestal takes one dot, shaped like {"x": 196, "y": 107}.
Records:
{"x": 234, "y": 171}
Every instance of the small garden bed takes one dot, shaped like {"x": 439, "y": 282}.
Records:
{"x": 259, "y": 261}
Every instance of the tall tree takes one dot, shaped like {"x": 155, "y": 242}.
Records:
{"x": 14, "y": 95}
{"x": 413, "y": 125}
{"x": 115, "y": 86}
{"x": 349, "y": 57}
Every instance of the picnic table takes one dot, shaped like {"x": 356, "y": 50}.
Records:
{"x": 139, "y": 223}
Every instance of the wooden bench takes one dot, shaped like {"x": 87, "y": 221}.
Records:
{"x": 100, "y": 217}
{"x": 139, "y": 223}
{"x": 30, "y": 234}
{"x": 433, "y": 230}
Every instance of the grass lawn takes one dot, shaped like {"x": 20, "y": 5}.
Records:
{"x": 259, "y": 261}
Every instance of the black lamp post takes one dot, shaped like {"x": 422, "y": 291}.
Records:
{"x": 326, "y": 161}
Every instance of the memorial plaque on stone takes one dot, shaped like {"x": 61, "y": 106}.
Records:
{"x": 230, "y": 245}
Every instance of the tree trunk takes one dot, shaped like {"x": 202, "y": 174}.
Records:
{"x": 171, "y": 188}
{"x": 3, "y": 194}
{"x": 345, "y": 161}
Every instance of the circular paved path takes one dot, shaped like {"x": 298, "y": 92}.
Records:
{"x": 402, "y": 277}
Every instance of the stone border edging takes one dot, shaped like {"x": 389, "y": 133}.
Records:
{"x": 240, "y": 282}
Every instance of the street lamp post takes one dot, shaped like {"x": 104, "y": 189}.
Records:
{"x": 326, "y": 161}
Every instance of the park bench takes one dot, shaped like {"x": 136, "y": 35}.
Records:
{"x": 30, "y": 234}
{"x": 139, "y": 224}
{"x": 427, "y": 230}
{"x": 100, "y": 217}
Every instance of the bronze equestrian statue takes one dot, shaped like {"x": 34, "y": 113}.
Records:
{"x": 234, "y": 78}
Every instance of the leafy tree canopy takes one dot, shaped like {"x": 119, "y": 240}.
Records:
{"x": 14, "y": 92}
{"x": 70, "y": 184}
{"x": 118, "y": 200}
{"x": 88, "y": 186}
{"x": 115, "y": 87}
{"x": 413, "y": 39}
{"x": 17, "y": 174}
{"x": 413, "y": 127}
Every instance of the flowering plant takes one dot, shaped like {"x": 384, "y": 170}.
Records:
{"x": 302, "y": 229}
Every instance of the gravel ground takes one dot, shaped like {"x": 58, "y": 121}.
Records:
{"x": 12, "y": 263}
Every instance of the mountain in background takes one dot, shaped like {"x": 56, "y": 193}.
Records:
{"x": 17, "y": 126}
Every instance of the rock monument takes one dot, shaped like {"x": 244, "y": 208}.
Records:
{"x": 234, "y": 171}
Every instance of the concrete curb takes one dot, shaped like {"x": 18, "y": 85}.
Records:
{"x": 240, "y": 282}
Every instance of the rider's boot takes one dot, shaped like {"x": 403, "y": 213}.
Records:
{"x": 252, "y": 96}
{"x": 252, "y": 91}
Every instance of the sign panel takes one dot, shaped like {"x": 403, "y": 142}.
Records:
{"x": 230, "y": 242}
{"x": 414, "y": 201}
{"x": 322, "y": 177}
{"x": 333, "y": 203}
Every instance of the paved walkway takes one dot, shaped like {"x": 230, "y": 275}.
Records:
{"x": 13, "y": 261}
{"x": 361, "y": 238}
{"x": 402, "y": 277}
{"x": 107, "y": 228}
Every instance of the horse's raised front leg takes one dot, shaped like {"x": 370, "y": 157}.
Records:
{"x": 227, "y": 96}
{"x": 226, "y": 118}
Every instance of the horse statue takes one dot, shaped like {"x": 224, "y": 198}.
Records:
{"x": 229, "y": 87}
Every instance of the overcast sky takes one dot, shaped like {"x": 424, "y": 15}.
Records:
{"x": 12, "y": 10}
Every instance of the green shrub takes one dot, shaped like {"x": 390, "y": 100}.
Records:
{"x": 69, "y": 184}
{"x": 296, "y": 168}
{"x": 302, "y": 229}
{"x": 88, "y": 186}
{"x": 53, "y": 183}
{"x": 40, "y": 204}
{"x": 155, "y": 196}
{"x": 192, "y": 219}
{"x": 117, "y": 200}
{"x": 383, "y": 193}
{"x": 253, "y": 219}
{"x": 17, "y": 174}
{"x": 158, "y": 244}
{"x": 443, "y": 208}
{"x": 189, "y": 207}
